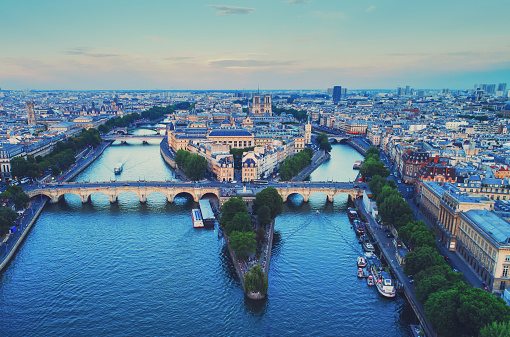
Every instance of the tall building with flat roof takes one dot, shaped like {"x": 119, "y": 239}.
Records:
{"x": 337, "y": 94}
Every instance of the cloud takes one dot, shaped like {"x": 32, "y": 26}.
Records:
{"x": 87, "y": 52}
{"x": 179, "y": 58}
{"x": 248, "y": 63}
{"x": 231, "y": 10}
{"x": 295, "y": 2}
{"x": 371, "y": 8}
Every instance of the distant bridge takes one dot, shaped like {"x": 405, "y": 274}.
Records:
{"x": 171, "y": 189}
{"x": 125, "y": 138}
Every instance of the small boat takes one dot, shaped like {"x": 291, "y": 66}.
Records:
{"x": 317, "y": 212}
{"x": 385, "y": 285}
{"x": 357, "y": 164}
{"x": 369, "y": 254}
{"x": 118, "y": 168}
{"x": 368, "y": 247}
{"x": 360, "y": 273}
{"x": 362, "y": 262}
{"x": 370, "y": 280}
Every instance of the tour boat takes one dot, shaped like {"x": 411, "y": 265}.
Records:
{"x": 368, "y": 246}
{"x": 357, "y": 164}
{"x": 385, "y": 285}
{"x": 118, "y": 168}
{"x": 370, "y": 280}
{"x": 317, "y": 212}
{"x": 362, "y": 262}
{"x": 196, "y": 217}
{"x": 360, "y": 273}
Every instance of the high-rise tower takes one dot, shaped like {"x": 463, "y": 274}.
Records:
{"x": 337, "y": 94}
{"x": 30, "y": 113}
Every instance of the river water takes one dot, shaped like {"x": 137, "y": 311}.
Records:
{"x": 132, "y": 269}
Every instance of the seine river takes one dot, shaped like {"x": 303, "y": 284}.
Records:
{"x": 132, "y": 269}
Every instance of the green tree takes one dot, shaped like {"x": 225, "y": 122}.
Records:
{"x": 269, "y": 197}
{"x": 256, "y": 280}
{"x": 372, "y": 150}
{"x": 372, "y": 166}
{"x": 7, "y": 218}
{"x": 420, "y": 259}
{"x": 195, "y": 167}
{"x": 264, "y": 215}
{"x": 180, "y": 157}
{"x": 242, "y": 243}
{"x": 441, "y": 310}
{"x": 431, "y": 285}
{"x": 240, "y": 222}
{"x": 495, "y": 329}
{"x": 260, "y": 235}
{"x": 230, "y": 208}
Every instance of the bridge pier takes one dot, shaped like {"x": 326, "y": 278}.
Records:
{"x": 84, "y": 198}
{"x": 143, "y": 198}
{"x": 170, "y": 197}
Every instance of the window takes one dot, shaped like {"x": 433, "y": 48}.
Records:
{"x": 507, "y": 258}
{"x": 505, "y": 271}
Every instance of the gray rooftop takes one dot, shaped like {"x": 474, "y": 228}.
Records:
{"x": 493, "y": 225}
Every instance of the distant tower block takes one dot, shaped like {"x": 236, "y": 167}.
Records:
{"x": 30, "y": 113}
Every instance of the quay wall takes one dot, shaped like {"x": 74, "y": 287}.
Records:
{"x": 317, "y": 160}
{"x": 269, "y": 247}
{"x": 167, "y": 157}
{"x": 234, "y": 260}
{"x": 357, "y": 147}
{"x": 417, "y": 307}
{"x": 88, "y": 162}
{"x": 18, "y": 243}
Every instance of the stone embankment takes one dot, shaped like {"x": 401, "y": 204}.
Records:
{"x": 357, "y": 147}
{"x": 168, "y": 157}
{"x": 317, "y": 160}
{"x": 28, "y": 220}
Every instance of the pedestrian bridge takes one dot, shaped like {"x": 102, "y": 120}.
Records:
{"x": 197, "y": 191}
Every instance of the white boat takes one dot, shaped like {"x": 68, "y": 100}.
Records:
{"x": 385, "y": 285}
{"x": 317, "y": 212}
{"x": 362, "y": 262}
{"x": 369, "y": 254}
{"x": 196, "y": 217}
{"x": 370, "y": 280}
{"x": 368, "y": 246}
{"x": 118, "y": 168}
{"x": 360, "y": 273}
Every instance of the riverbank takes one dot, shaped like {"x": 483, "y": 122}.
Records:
{"x": 26, "y": 222}
{"x": 317, "y": 160}
{"x": 389, "y": 250}
{"x": 168, "y": 157}
{"x": 242, "y": 267}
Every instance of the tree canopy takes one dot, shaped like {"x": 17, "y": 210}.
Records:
{"x": 292, "y": 166}
{"x": 7, "y": 218}
{"x": 192, "y": 164}
{"x": 242, "y": 243}
{"x": 230, "y": 208}
{"x": 240, "y": 222}
{"x": 256, "y": 280}
{"x": 269, "y": 197}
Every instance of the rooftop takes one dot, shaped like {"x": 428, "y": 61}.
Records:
{"x": 493, "y": 225}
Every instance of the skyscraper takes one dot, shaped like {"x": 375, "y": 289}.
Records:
{"x": 337, "y": 94}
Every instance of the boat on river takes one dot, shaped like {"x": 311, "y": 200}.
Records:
{"x": 196, "y": 218}
{"x": 368, "y": 247}
{"x": 362, "y": 272}
{"x": 357, "y": 164}
{"x": 362, "y": 262}
{"x": 385, "y": 285}
{"x": 370, "y": 280}
{"x": 118, "y": 168}
{"x": 317, "y": 212}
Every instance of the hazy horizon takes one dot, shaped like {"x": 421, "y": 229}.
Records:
{"x": 294, "y": 44}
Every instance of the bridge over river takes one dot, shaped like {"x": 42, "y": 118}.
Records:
{"x": 196, "y": 190}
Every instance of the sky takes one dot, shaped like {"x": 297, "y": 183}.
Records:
{"x": 245, "y": 44}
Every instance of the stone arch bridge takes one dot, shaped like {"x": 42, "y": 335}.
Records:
{"x": 171, "y": 189}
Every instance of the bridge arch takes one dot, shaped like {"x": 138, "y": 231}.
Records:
{"x": 156, "y": 194}
{"x": 295, "y": 197}
{"x": 187, "y": 195}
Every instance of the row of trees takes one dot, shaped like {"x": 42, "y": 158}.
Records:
{"x": 292, "y": 166}
{"x": 60, "y": 159}
{"x": 453, "y": 307}
{"x": 151, "y": 114}
{"x": 300, "y": 115}
{"x": 243, "y": 239}
{"x": 192, "y": 164}
{"x": 17, "y": 195}
{"x": 372, "y": 166}
{"x": 7, "y": 218}
{"x": 323, "y": 141}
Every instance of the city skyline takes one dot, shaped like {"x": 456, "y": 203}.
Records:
{"x": 292, "y": 44}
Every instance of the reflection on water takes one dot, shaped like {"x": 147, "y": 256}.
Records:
{"x": 141, "y": 269}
